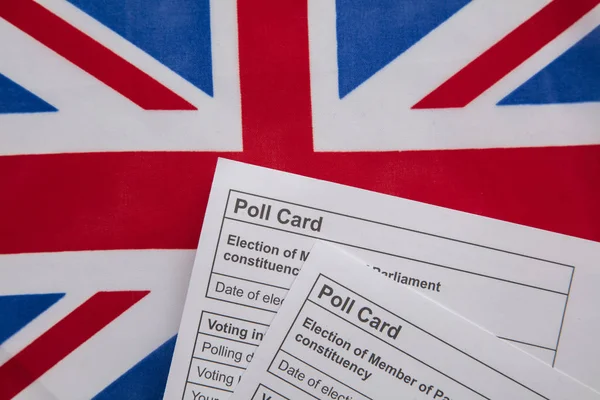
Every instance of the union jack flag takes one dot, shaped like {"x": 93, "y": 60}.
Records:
{"x": 113, "y": 112}
{"x": 454, "y": 74}
{"x": 79, "y": 325}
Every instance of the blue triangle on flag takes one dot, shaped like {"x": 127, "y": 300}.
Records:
{"x": 15, "y": 99}
{"x": 574, "y": 77}
{"x": 372, "y": 33}
{"x": 175, "y": 32}
{"x": 16, "y": 311}
{"x": 144, "y": 381}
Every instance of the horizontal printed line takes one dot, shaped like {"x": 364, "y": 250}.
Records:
{"x": 240, "y": 304}
{"x": 225, "y": 338}
{"x": 211, "y": 387}
{"x": 229, "y": 316}
{"x": 250, "y": 280}
{"x": 218, "y": 362}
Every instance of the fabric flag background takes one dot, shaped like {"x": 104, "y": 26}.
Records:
{"x": 113, "y": 112}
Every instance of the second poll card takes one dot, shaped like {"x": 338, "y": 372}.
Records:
{"x": 535, "y": 289}
{"x": 345, "y": 334}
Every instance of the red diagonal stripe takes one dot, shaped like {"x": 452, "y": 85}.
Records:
{"x": 91, "y": 56}
{"x": 503, "y": 57}
{"x": 64, "y": 337}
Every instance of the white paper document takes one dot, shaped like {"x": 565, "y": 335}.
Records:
{"x": 536, "y": 289}
{"x": 345, "y": 334}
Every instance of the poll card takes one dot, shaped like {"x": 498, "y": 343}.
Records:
{"x": 536, "y": 289}
{"x": 345, "y": 334}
